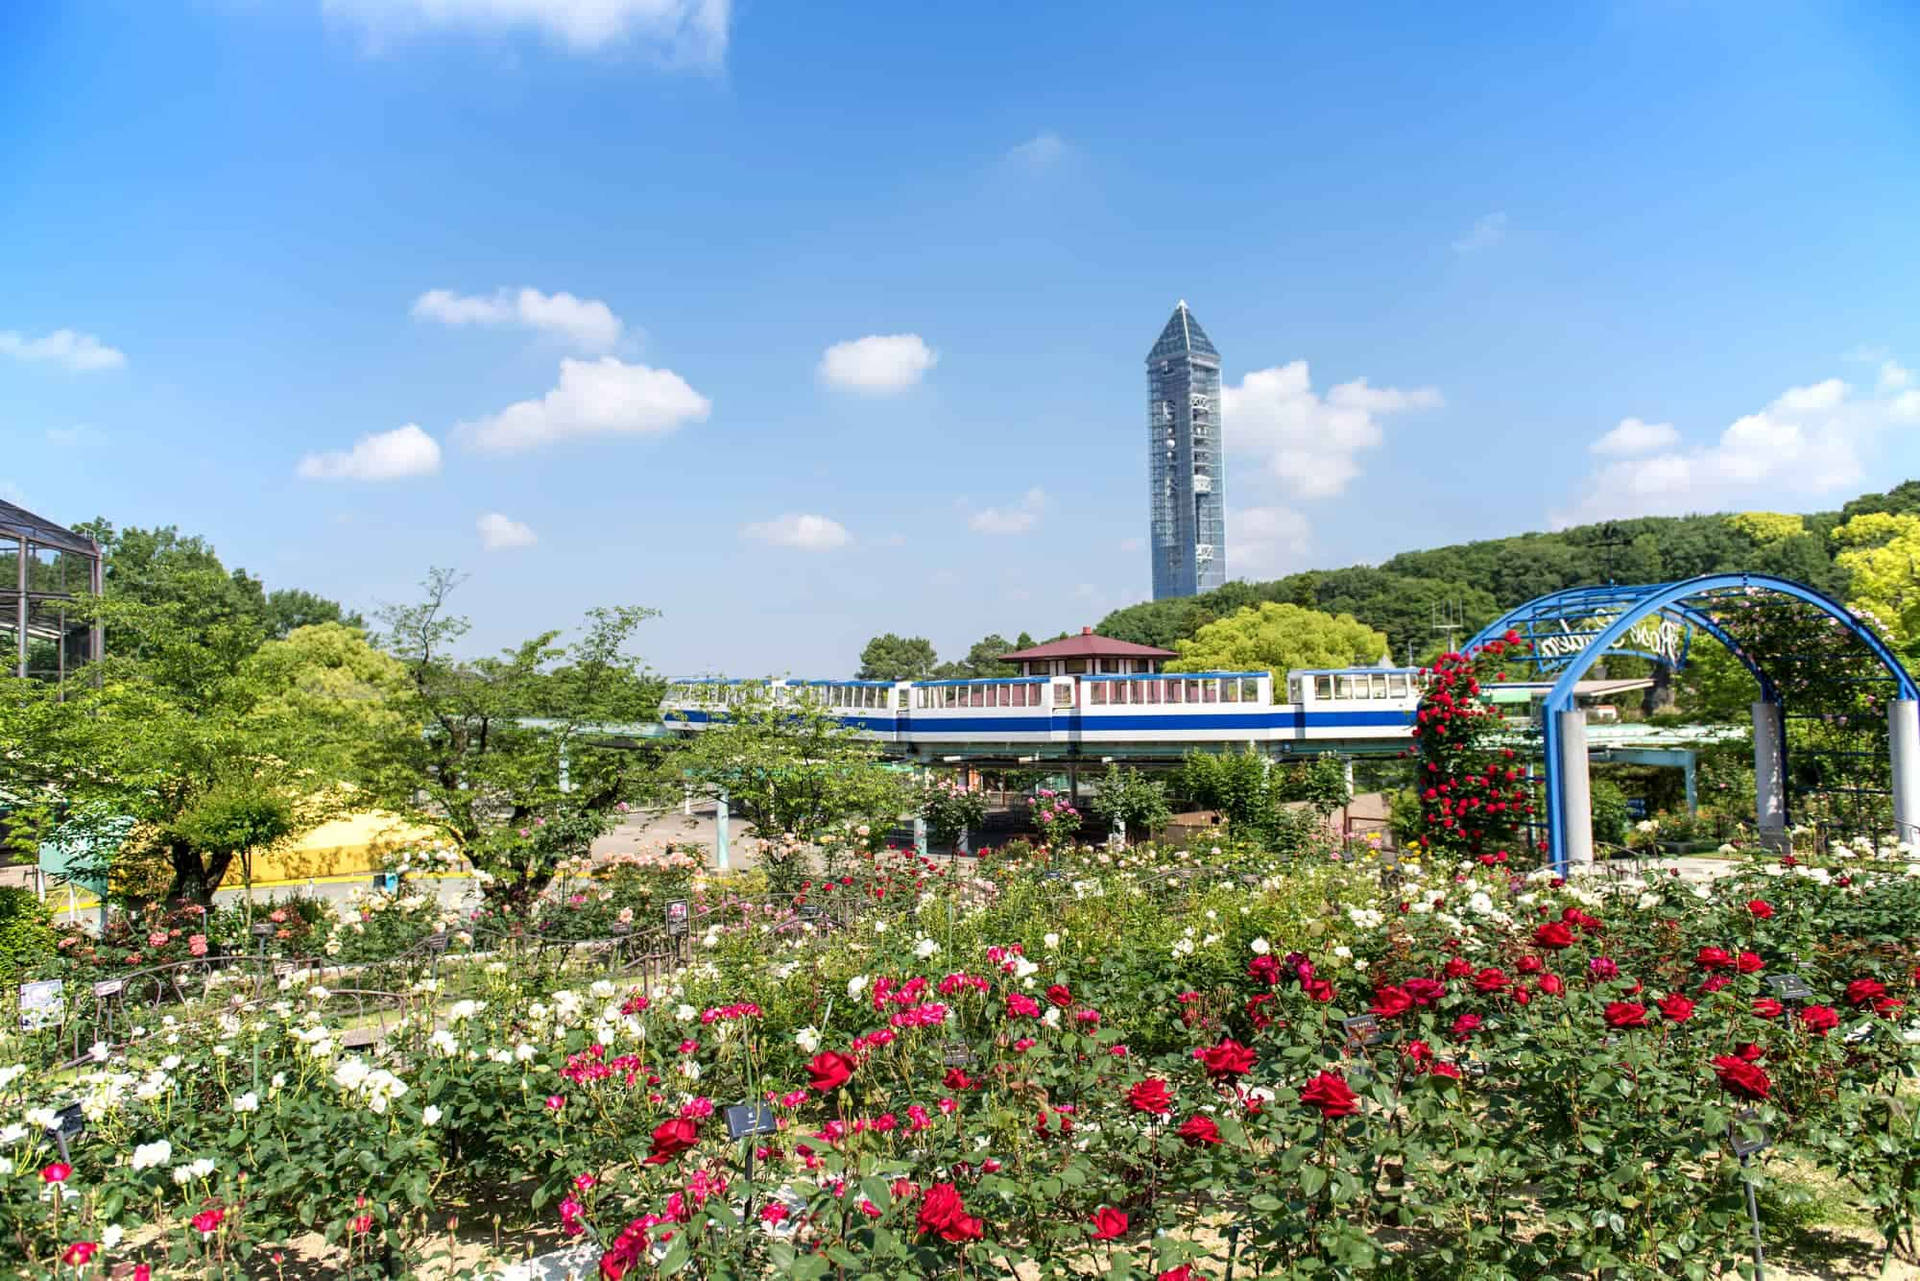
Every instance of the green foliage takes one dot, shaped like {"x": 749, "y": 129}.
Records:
{"x": 983, "y": 659}
{"x": 796, "y": 774}
{"x": 950, "y": 808}
{"x": 488, "y": 739}
{"x": 1320, "y": 782}
{"x": 1235, "y": 784}
{"x": 1279, "y": 638}
{"x": 1126, "y": 797}
{"x": 897, "y": 658}
{"x": 26, "y": 933}
{"x": 1609, "y": 813}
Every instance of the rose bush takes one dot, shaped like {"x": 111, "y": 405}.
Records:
{"x": 1125, "y": 1065}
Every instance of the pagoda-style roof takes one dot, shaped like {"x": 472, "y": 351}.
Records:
{"x": 1086, "y": 645}
{"x": 1182, "y": 337}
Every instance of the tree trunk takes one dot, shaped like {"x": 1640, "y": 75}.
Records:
{"x": 194, "y": 878}
{"x": 1660, "y": 695}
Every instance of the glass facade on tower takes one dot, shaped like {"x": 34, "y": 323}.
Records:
{"x": 1184, "y": 464}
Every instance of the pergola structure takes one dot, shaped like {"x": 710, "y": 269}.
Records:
{"x": 1830, "y": 690}
{"x": 44, "y": 568}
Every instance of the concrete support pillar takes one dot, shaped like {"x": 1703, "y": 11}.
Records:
{"x": 1769, "y": 775}
{"x": 566, "y": 774}
{"x": 962, "y": 846}
{"x": 1576, "y": 795}
{"x": 1346, "y": 767}
{"x": 720, "y": 820}
{"x": 1903, "y": 742}
{"x": 920, "y": 836}
{"x": 1689, "y": 764}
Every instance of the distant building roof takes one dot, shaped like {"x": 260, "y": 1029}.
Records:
{"x": 1182, "y": 336}
{"x": 1087, "y": 645}
{"x": 15, "y": 521}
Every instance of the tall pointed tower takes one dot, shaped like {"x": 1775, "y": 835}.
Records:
{"x": 1184, "y": 462}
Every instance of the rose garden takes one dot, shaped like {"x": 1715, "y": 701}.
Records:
{"x": 1270, "y": 1053}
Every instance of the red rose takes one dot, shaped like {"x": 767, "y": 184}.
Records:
{"x": 1741, "y": 1078}
{"x": 1552, "y": 984}
{"x": 1389, "y": 1001}
{"x": 1151, "y": 1095}
{"x": 1446, "y": 1067}
{"x": 1182, "y": 1273}
{"x": 1623, "y": 1014}
{"x": 1108, "y": 1223}
{"x": 1553, "y": 935}
{"x": 943, "y": 1214}
{"x": 1750, "y": 1052}
{"x": 1465, "y": 1026}
{"x": 1531, "y": 964}
{"x": 1059, "y": 995}
{"x": 1458, "y": 967}
{"x": 1229, "y": 1058}
{"x": 1749, "y": 963}
{"x": 1863, "y": 991}
{"x": 1819, "y": 1019}
{"x": 58, "y": 1172}
{"x": 1022, "y": 1006}
{"x": 1425, "y": 991}
{"x": 957, "y": 1079}
{"x": 1489, "y": 981}
{"x": 1196, "y": 1130}
{"x": 1676, "y": 1007}
{"x": 77, "y": 1254}
{"x": 1329, "y": 1092}
{"x": 671, "y": 1138}
{"x": 1715, "y": 983}
{"x": 1760, "y": 908}
{"x": 829, "y": 1071}
{"x": 1768, "y": 1008}
{"x": 1320, "y": 990}
{"x": 1713, "y": 958}
{"x": 1886, "y": 1007}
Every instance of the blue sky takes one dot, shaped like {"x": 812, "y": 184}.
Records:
{"x": 801, "y": 323}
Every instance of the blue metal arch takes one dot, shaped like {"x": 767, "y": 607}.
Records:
{"x": 1636, "y": 604}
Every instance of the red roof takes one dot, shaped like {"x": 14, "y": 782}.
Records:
{"x": 1087, "y": 645}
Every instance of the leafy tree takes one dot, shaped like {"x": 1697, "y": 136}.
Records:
{"x": 795, "y": 772}
{"x": 1128, "y": 799}
{"x": 518, "y": 757}
{"x": 983, "y": 659}
{"x": 1279, "y": 638}
{"x": 291, "y": 608}
{"x": 950, "y": 808}
{"x": 1768, "y": 527}
{"x": 1320, "y": 782}
{"x": 897, "y": 658}
{"x": 1235, "y": 784}
{"x": 1882, "y": 558}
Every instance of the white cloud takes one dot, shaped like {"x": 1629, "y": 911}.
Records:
{"x": 799, "y": 530}
{"x": 1807, "y": 444}
{"x": 878, "y": 364}
{"x": 1042, "y": 151}
{"x": 1017, "y": 519}
{"x": 1894, "y": 376}
{"x": 384, "y": 455}
{"x": 588, "y": 323}
{"x": 602, "y": 397}
{"x": 1633, "y": 438}
{"x": 499, "y": 533}
{"x": 1263, "y": 542}
{"x": 79, "y": 352}
{"x": 691, "y": 33}
{"x": 1310, "y": 444}
{"x": 1486, "y": 232}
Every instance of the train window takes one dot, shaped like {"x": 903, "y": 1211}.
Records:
{"x": 1063, "y": 695}
{"x": 1323, "y": 687}
{"x": 1380, "y": 685}
{"x": 1397, "y": 684}
{"x": 1229, "y": 691}
{"x": 1343, "y": 687}
{"x": 1209, "y": 691}
{"x": 1097, "y": 694}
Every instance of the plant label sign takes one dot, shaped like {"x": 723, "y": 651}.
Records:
{"x": 958, "y": 1055}
{"x": 1746, "y": 1135}
{"x": 750, "y": 1118}
{"x": 41, "y": 1003}
{"x": 108, "y": 987}
{"x": 677, "y": 917}
{"x": 1362, "y": 1029}
{"x": 1789, "y": 987}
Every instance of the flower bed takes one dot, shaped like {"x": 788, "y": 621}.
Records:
{"x": 1124, "y": 1068}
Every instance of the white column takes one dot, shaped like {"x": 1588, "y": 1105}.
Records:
{"x": 1903, "y": 741}
{"x": 1576, "y": 795}
{"x": 1769, "y": 775}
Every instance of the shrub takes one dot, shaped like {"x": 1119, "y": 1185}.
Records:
{"x": 26, "y": 933}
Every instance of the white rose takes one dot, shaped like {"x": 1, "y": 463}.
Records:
{"x": 808, "y": 1039}
{"x": 430, "y": 1115}
{"x": 1260, "y": 947}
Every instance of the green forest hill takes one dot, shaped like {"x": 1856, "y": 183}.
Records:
{"x": 1470, "y": 584}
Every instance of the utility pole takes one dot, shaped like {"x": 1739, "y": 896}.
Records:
{"x": 1449, "y": 619}
{"x": 1612, "y": 537}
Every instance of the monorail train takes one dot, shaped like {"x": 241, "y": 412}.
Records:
{"x": 1340, "y": 704}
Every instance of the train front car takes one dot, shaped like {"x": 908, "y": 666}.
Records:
{"x": 1185, "y": 707}
{"x": 1349, "y": 704}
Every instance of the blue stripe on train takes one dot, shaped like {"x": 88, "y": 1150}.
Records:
{"x": 1097, "y": 721}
